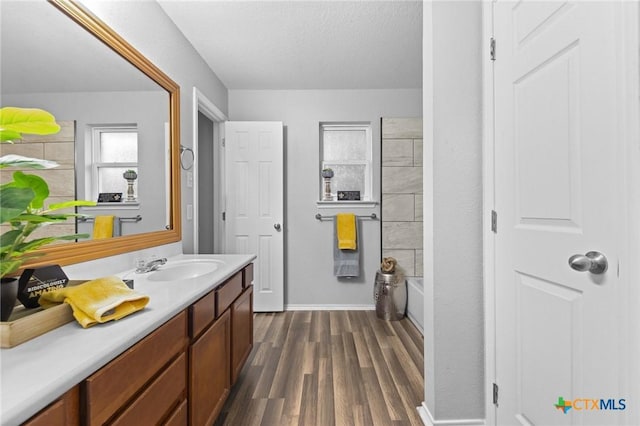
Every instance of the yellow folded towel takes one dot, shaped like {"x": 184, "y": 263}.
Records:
{"x": 103, "y": 227}
{"x": 97, "y": 301}
{"x": 346, "y": 231}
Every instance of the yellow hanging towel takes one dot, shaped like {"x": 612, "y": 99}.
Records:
{"x": 346, "y": 231}
{"x": 103, "y": 227}
{"x": 97, "y": 301}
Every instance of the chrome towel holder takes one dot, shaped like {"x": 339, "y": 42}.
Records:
{"x": 184, "y": 149}
{"x": 371, "y": 216}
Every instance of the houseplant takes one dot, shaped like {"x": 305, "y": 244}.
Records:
{"x": 23, "y": 207}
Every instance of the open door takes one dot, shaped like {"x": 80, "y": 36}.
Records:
{"x": 255, "y": 205}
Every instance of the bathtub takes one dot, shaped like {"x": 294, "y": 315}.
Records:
{"x": 415, "y": 301}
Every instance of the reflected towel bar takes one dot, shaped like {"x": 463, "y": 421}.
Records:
{"x": 371, "y": 216}
{"x": 137, "y": 218}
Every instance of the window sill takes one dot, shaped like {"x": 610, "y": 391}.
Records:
{"x": 353, "y": 204}
{"x": 134, "y": 205}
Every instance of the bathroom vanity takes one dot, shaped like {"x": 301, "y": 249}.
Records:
{"x": 173, "y": 362}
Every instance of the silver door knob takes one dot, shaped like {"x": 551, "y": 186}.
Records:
{"x": 594, "y": 262}
{"x": 277, "y": 227}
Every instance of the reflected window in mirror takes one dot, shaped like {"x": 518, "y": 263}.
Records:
{"x": 115, "y": 151}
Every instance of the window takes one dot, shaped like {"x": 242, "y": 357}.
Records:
{"x": 346, "y": 149}
{"x": 115, "y": 150}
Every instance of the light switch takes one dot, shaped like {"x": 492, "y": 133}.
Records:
{"x": 189, "y": 179}
{"x": 189, "y": 211}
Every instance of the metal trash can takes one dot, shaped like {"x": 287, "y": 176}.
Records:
{"x": 390, "y": 295}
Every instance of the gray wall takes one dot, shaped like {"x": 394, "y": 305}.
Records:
{"x": 145, "y": 26}
{"x": 309, "y": 276}
{"x": 454, "y": 342}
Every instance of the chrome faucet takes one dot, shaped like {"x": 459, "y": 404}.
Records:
{"x": 152, "y": 265}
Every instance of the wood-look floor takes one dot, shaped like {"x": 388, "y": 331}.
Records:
{"x": 329, "y": 368}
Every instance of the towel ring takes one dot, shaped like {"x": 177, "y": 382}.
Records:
{"x": 188, "y": 161}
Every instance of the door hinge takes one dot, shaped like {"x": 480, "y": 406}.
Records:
{"x": 224, "y": 215}
{"x": 492, "y": 48}
{"x": 494, "y": 221}
{"x": 495, "y": 394}
{"x": 224, "y": 142}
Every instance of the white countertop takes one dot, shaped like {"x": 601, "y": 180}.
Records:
{"x": 37, "y": 372}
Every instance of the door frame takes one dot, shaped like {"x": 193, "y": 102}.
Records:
{"x": 202, "y": 104}
{"x": 629, "y": 95}
{"x": 488, "y": 204}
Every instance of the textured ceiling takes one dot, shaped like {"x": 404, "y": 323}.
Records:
{"x": 306, "y": 44}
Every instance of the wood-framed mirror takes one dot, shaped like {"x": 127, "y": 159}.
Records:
{"x": 167, "y": 229}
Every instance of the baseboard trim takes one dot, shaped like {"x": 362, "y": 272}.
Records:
{"x": 415, "y": 323}
{"x": 329, "y": 308}
{"x": 428, "y": 419}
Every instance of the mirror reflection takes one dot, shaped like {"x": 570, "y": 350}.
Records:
{"x": 114, "y": 146}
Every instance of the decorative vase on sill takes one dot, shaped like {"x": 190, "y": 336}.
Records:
{"x": 327, "y": 174}
{"x": 130, "y": 176}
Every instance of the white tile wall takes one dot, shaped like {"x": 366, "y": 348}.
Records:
{"x": 402, "y": 193}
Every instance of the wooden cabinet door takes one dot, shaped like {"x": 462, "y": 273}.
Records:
{"x": 241, "y": 332}
{"x": 209, "y": 375}
{"x": 109, "y": 389}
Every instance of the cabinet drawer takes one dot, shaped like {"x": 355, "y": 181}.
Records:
{"x": 54, "y": 414}
{"x": 179, "y": 416}
{"x": 227, "y": 293}
{"x": 202, "y": 313}
{"x": 63, "y": 412}
{"x": 159, "y": 397}
{"x": 248, "y": 275}
{"x": 112, "y": 386}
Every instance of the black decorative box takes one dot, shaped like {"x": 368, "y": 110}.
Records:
{"x": 110, "y": 197}
{"x": 348, "y": 195}
{"x": 36, "y": 281}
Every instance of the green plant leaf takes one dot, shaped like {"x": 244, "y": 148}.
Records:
{"x": 7, "y": 239}
{"x": 14, "y": 201}
{"x": 7, "y": 267}
{"x": 39, "y": 218}
{"x": 12, "y": 160}
{"x": 67, "y": 204}
{"x": 37, "y": 184}
{"x": 35, "y": 244}
{"x": 9, "y": 136}
{"x": 26, "y": 120}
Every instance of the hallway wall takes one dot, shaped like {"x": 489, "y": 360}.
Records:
{"x": 453, "y": 332}
{"x": 309, "y": 280}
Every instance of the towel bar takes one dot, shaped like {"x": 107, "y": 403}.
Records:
{"x": 371, "y": 216}
{"x": 137, "y": 218}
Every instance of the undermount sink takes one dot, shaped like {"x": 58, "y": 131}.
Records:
{"x": 184, "y": 269}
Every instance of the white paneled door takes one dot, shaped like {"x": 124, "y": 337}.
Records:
{"x": 255, "y": 206}
{"x": 560, "y": 341}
